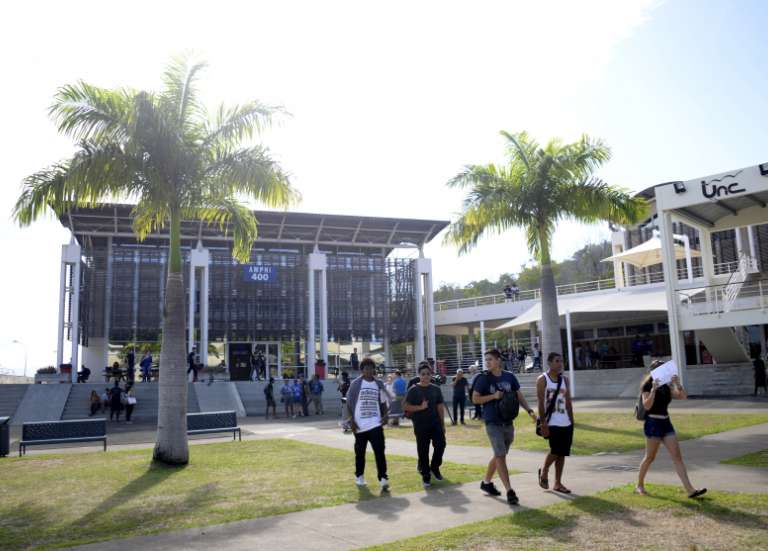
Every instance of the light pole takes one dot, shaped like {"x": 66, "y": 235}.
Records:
{"x": 25, "y": 354}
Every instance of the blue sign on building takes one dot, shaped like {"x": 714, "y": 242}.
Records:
{"x": 260, "y": 273}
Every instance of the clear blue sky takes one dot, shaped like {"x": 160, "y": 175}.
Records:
{"x": 391, "y": 99}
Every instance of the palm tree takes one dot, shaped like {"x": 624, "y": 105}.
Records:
{"x": 534, "y": 190}
{"x": 163, "y": 151}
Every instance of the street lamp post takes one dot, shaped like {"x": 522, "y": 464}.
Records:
{"x": 25, "y": 354}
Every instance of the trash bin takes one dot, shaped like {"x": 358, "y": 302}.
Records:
{"x": 5, "y": 436}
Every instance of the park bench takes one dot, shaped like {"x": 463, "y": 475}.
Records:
{"x": 214, "y": 421}
{"x": 62, "y": 432}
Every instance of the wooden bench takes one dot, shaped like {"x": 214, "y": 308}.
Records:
{"x": 214, "y": 421}
{"x": 62, "y": 432}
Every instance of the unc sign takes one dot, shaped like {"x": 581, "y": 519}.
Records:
{"x": 714, "y": 191}
{"x": 260, "y": 273}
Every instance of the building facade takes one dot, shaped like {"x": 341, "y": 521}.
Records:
{"x": 315, "y": 287}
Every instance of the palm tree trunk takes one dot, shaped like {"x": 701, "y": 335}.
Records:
{"x": 171, "y": 446}
{"x": 550, "y": 316}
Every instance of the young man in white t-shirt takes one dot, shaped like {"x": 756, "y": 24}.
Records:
{"x": 368, "y": 404}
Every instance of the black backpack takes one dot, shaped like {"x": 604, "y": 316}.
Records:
{"x": 508, "y": 407}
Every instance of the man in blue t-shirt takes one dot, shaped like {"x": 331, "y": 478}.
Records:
{"x": 489, "y": 388}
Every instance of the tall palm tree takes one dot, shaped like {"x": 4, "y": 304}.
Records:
{"x": 164, "y": 152}
{"x": 534, "y": 190}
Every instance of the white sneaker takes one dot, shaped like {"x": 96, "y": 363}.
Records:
{"x": 360, "y": 480}
{"x": 384, "y": 482}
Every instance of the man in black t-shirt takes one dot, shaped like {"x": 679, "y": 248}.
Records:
{"x": 424, "y": 401}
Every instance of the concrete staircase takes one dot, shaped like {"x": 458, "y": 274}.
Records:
{"x": 723, "y": 344}
{"x": 219, "y": 396}
{"x": 723, "y": 380}
{"x": 10, "y": 398}
{"x": 44, "y": 402}
{"x": 78, "y": 404}
{"x": 252, "y": 396}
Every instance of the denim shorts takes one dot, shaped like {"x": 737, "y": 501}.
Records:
{"x": 501, "y": 437}
{"x": 658, "y": 428}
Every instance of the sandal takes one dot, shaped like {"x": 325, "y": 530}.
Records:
{"x": 697, "y": 493}
{"x": 543, "y": 482}
{"x": 562, "y": 490}
{"x": 640, "y": 491}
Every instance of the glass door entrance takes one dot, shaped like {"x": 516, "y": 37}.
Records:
{"x": 267, "y": 360}
{"x": 254, "y": 361}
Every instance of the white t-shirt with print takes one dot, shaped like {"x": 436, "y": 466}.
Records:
{"x": 367, "y": 409}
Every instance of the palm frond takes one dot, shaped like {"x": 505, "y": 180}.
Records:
{"x": 229, "y": 216}
{"x": 251, "y": 172}
{"x": 89, "y": 113}
{"x": 180, "y": 91}
{"x": 234, "y": 124}
{"x": 521, "y": 146}
{"x": 148, "y": 217}
{"x": 593, "y": 200}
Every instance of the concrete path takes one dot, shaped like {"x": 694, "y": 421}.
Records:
{"x": 387, "y": 518}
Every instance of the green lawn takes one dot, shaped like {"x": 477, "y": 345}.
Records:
{"x": 63, "y": 500}
{"x": 615, "y": 519}
{"x": 598, "y": 432}
{"x": 757, "y": 459}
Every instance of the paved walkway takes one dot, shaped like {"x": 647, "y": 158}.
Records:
{"x": 388, "y": 518}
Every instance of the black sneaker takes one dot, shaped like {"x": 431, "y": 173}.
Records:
{"x": 489, "y": 489}
{"x": 427, "y": 480}
{"x": 512, "y": 497}
{"x": 437, "y": 474}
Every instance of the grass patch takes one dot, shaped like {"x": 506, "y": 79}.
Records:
{"x": 757, "y": 459}
{"x": 65, "y": 500}
{"x": 615, "y": 519}
{"x": 597, "y": 432}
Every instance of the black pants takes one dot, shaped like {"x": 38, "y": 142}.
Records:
{"x": 459, "y": 402}
{"x": 376, "y": 438}
{"x": 95, "y": 407}
{"x": 114, "y": 411}
{"x": 129, "y": 411}
{"x": 424, "y": 437}
{"x": 194, "y": 373}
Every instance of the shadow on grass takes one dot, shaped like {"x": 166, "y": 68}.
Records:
{"x": 708, "y": 507}
{"x": 539, "y": 523}
{"x": 599, "y": 507}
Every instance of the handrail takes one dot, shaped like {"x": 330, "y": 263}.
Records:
{"x": 714, "y": 299}
{"x": 531, "y": 294}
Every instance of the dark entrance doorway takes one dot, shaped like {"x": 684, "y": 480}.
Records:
{"x": 240, "y": 361}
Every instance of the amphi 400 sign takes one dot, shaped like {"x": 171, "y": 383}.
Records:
{"x": 259, "y": 273}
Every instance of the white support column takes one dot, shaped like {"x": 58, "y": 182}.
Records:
{"x": 459, "y": 351}
{"x": 108, "y": 305}
{"x": 316, "y": 262}
{"x": 419, "y": 306}
{"x": 482, "y": 342}
{"x": 569, "y": 336}
{"x": 429, "y": 306}
{"x": 62, "y": 303}
{"x": 324, "y": 319}
{"x": 688, "y": 258}
{"x": 204, "y": 316}
{"x": 74, "y": 330}
{"x": 739, "y": 247}
{"x": 670, "y": 277}
{"x": 191, "y": 323}
{"x": 752, "y": 245}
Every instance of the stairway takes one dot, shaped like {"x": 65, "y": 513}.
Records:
{"x": 723, "y": 380}
{"x": 252, "y": 396}
{"x": 723, "y": 344}
{"x": 78, "y": 404}
{"x": 10, "y": 398}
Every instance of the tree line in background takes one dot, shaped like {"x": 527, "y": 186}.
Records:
{"x": 585, "y": 265}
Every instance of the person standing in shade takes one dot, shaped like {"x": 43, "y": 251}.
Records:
{"x": 130, "y": 403}
{"x": 95, "y": 401}
{"x": 367, "y": 407}
{"x": 399, "y": 387}
{"x": 343, "y": 388}
{"x": 298, "y": 397}
{"x": 146, "y": 367}
{"x": 354, "y": 361}
{"x": 269, "y": 395}
{"x": 115, "y": 402}
{"x": 424, "y": 402}
{"x": 130, "y": 360}
{"x": 316, "y": 392}
{"x": 556, "y": 420}
{"x": 760, "y": 380}
{"x": 658, "y": 429}
{"x": 286, "y": 396}
{"x": 489, "y": 391}
{"x": 460, "y": 385}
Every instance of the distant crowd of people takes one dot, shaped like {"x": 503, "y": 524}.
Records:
{"x": 115, "y": 399}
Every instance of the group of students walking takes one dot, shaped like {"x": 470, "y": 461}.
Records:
{"x": 498, "y": 393}
{"x": 296, "y": 396}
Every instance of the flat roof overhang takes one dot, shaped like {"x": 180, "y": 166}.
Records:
{"x": 275, "y": 227}
{"x": 720, "y": 201}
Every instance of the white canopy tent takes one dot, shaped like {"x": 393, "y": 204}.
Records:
{"x": 648, "y": 253}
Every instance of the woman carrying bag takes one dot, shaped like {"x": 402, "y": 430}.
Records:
{"x": 659, "y": 430}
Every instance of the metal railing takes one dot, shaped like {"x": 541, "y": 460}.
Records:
{"x": 719, "y": 299}
{"x": 532, "y": 294}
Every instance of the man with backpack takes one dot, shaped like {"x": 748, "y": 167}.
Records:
{"x": 426, "y": 407}
{"x": 556, "y": 413}
{"x": 498, "y": 391}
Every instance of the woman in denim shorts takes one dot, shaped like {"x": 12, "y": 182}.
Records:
{"x": 659, "y": 430}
